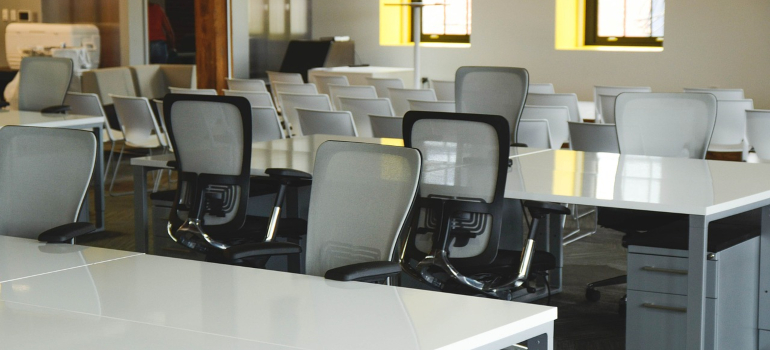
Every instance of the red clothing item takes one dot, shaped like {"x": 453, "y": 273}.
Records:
{"x": 155, "y": 19}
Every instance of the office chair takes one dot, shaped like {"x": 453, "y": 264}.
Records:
{"x": 43, "y": 83}
{"x": 353, "y": 236}
{"x": 445, "y": 89}
{"x": 387, "y": 126}
{"x": 557, "y": 117}
{"x": 326, "y": 122}
{"x": 730, "y": 128}
{"x": 568, "y": 100}
{"x": 612, "y": 91}
{"x": 253, "y": 85}
{"x": 536, "y": 133}
{"x": 434, "y": 106}
{"x": 382, "y": 85}
{"x": 400, "y": 98}
{"x": 541, "y": 88}
{"x": 89, "y": 104}
{"x": 676, "y": 125}
{"x": 51, "y": 164}
{"x": 454, "y": 241}
{"x": 291, "y": 102}
{"x": 256, "y": 98}
{"x": 757, "y": 129}
{"x": 211, "y": 136}
{"x": 358, "y": 91}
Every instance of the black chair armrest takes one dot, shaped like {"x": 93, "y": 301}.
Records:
{"x": 66, "y": 232}
{"x": 55, "y": 109}
{"x": 537, "y": 208}
{"x": 364, "y": 272}
{"x": 261, "y": 249}
{"x": 288, "y": 174}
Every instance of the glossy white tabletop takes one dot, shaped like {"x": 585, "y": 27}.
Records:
{"x": 15, "y": 261}
{"x": 686, "y": 186}
{"x": 15, "y": 117}
{"x": 275, "y": 307}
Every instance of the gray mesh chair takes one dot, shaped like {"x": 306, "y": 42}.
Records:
{"x": 43, "y": 83}
{"x": 382, "y": 85}
{"x": 212, "y": 139}
{"x": 265, "y": 125}
{"x": 362, "y": 108}
{"x": 353, "y": 237}
{"x": 326, "y": 122}
{"x": 492, "y": 90}
{"x": 256, "y": 98}
{"x": 253, "y": 85}
{"x": 676, "y": 125}
{"x": 291, "y": 102}
{"x": 51, "y": 164}
{"x": 454, "y": 243}
{"x": 386, "y": 126}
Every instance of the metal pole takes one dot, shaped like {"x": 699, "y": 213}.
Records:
{"x": 417, "y": 23}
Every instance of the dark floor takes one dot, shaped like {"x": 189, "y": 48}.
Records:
{"x": 581, "y": 324}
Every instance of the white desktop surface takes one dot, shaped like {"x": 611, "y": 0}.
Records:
{"x": 271, "y": 307}
{"x": 27, "y": 118}
{"x": 15, "y": 264}
{"x": 685, "y": 186}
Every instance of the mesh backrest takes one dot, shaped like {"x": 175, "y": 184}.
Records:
{"x": 557, "y": 117}
{"x": 665, "y": 124}
{"x": 720, "y": 94}
{"x": 265, "y": 125}
{"x": 492, "y": 90}
{"x": 208, "y": 92}
{"x": 358, "y": 91}
{"x": 326, "y": 122}
{"x": 43, "y": 82}
{"x": 543, "y": 88}
{"x": 256, "y": 98}
{"x": 589, "y": 137}
{"x": 382, "y": 85}
{"x": 607, "y": 108}
{"x": 434, "y": 106}
{"x": 567, "y": 100}
{"x": 400, "y": 98}
{"x": 387, "y": 126}
{"x": 614, "y": 91}
{"x": 536, "y": 133}
{"x": 291, "y": 102}
{"x": 345, "y": 227}
{"x": 44, "y": 174}
{"x": 730, "y": 127}
{"x": 757, "y": 128}
{"x": 322, "y": 82}
{"x": 362, "y": 108}
{"x": 280, "y": 77}
{"x": 247, "y": 85}
{"x": 137, "y": 120}
{"x": 445, "y": 89}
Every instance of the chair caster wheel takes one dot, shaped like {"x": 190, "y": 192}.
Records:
{"x": 622, "y": 306}
{"x": 593, "y": 294}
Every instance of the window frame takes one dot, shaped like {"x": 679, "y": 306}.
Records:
{"x": 591, "y": 31}
{"x": 439, "y": 38}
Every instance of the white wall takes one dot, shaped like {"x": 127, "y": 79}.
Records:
{"x": 709, "y": 43}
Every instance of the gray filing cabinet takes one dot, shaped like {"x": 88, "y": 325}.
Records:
{"x": 657, "y": 298}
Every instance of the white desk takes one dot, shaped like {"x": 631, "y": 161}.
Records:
{"x": 70, "y": 121}
{"x": 703, "y": 189}
{"x": 143, "y": 296}
{"x": 358, "y": 75}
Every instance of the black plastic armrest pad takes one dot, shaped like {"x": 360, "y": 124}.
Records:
{"x": 537, "y": 208}
{"x": 171, "y": 164}
{"x": 261, "y": 249}
{"x": 365, "y": 272}
{"x": 288, "y": 173}
{"x": 66, "y": 232}
{"x": 518, "y": 144}
{"x": 55, "y": 109}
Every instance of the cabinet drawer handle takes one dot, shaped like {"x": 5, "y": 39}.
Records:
{"x": 658, "y": 269}
{"x": 663, "y": 307}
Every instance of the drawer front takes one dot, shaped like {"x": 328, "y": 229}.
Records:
{"x": 764, "y": 340}
{"x": 666, "y": 274}
{"x": 659, "y": 321}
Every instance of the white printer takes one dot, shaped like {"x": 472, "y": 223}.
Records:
{"x": 80, "y": 42}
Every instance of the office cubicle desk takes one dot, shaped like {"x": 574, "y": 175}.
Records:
{"x": 703, "y": 189}
{"x": 358, "y": 75}
{"x": 68, "y": 121}
{"x": 97, "y": 298}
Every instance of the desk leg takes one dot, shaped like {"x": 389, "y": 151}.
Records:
{"x": 764, "y": 271}
{"x": 696, "y": 282}
{"x": 140, "y": 208}
{"x": 98, "y": 179}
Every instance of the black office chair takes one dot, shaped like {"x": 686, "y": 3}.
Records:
{"x": 655, "y": 124}
{"x": 211, "y": 136}
{"x": 454, "y": 243}
{"x": 44, "y": 176}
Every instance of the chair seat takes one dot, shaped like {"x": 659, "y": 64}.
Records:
{"x": 507, "y": 263}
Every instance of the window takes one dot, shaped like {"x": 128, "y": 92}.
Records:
{"x": 624, "y": 22}
{"x": 446, "y": 23}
